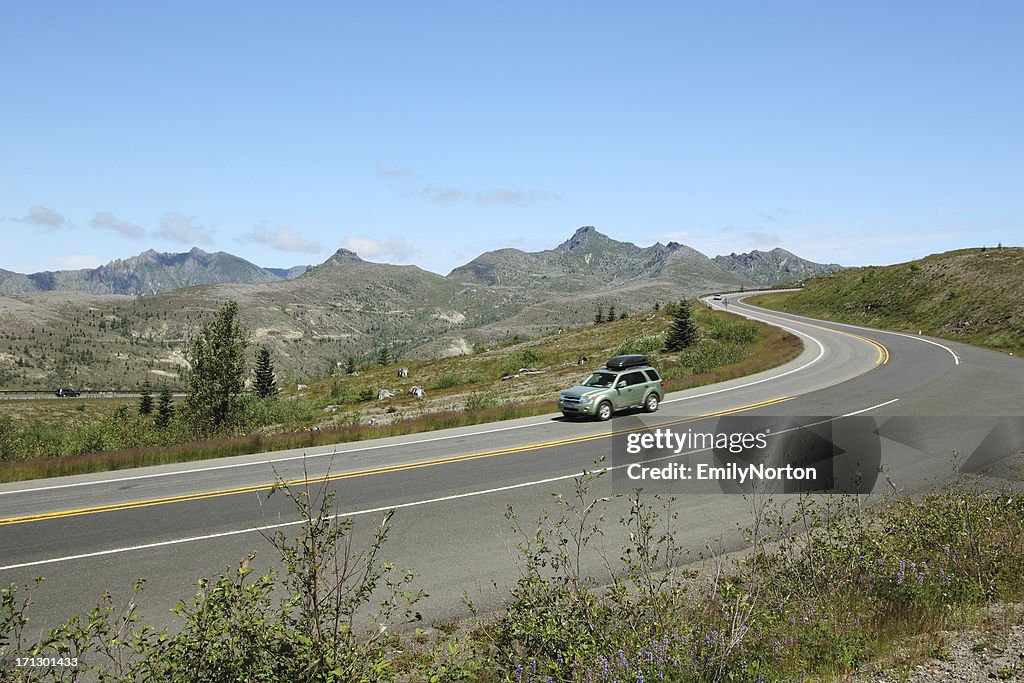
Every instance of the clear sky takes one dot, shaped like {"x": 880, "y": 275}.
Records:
{"x": 429, "y": 132}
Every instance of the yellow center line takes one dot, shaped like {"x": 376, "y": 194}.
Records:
{"x": 371, "y": 472}
{"x": 883, "y": 352}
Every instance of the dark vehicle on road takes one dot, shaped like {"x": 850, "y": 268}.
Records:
{"x": 67, "y": 392}
{"x": 624, "y": 382}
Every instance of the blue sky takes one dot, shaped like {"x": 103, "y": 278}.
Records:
{"x": 426, "y": 133}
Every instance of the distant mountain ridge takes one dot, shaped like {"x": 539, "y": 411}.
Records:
{"x": 342, "y": 308}
{"x": 762, "y": 268}
{"x": 589, "y": 260}
{"x": 148, "y": 273}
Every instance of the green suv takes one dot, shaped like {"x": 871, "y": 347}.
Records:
{"x": 624, "y": 382}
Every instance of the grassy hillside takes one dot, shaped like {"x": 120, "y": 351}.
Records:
{"x": 49, "y": 438}
{"x": 971, "y": 295}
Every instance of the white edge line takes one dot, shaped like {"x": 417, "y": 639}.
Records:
{"x": 956, "y": 358}
{"x": 336, "y": 452}
{"x": 282, "y": 525}
{"x": 370, "y": 511}
{"x": 821, "y": 352}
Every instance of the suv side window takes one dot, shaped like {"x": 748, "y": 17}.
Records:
{"x": 652, "y": 375}
{"x": 635, "y": 377}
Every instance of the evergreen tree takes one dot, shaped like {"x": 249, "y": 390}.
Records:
{"x": 684, "y": 331}
{"x": 215, "y": 377}
{"x": 164, "y": 407}
{"x": 611, "y": 313}
{"x": 265, "y": 385}
{"x": 146, "y": 399}
{"x": 383, "y": 357}
{"x": 599, "y": 316}
{"x": 350, "y": 366}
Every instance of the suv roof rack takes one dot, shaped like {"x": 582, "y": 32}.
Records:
{"x": 631, "y": 360}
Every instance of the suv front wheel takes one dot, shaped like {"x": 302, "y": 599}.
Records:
{"x": 651, "y": 403}
{"x": 604, "y": 411}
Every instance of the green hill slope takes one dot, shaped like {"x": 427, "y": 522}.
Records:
{"x": 971, "y": 295}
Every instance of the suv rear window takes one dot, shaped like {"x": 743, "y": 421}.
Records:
{"x": 652, "y": 375}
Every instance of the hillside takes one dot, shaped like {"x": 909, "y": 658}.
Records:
{"x": 288, "y": 273}
{"x": 589, "y": 260}
{"x": 766, "y": 268}
{"x": 970, "y": 295}
{"x": 148, "y": 273}
{"x": 344, "y": 307}
{"x": 482, "y": 386}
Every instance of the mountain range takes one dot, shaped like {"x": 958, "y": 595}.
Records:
{"x": 586, "y": 260}
{"x": 773, "y": 267}
{"x": 345, "y": 307}
{"x": 148, "y": 273}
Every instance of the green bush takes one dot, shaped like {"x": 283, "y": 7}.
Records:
{"x": 524, "y": 358}
{"x": 732, "y": 331}
{"x": 447, "y": 381}
{"x": 647, "y": 344}
{"x": 479, "y": 401}
{"x": 709, "y": 354}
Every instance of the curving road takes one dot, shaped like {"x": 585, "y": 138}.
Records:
{"x": 918, "y": 401}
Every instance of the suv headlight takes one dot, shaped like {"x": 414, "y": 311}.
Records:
{"x": 586, "y": 399}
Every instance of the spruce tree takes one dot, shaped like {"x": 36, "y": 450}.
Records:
{"x": 264, "y": 385}
{"x": 383, "y": 358}
{"x": 215, "y": 376}
{"x": 599, "y": 316}
{"x": 611, "y": 313}
{"x": 146, "y": 399}
{"x": 684, "y": 331}
{"x": 164, "y": 407}
{"x": 350, "y": 366}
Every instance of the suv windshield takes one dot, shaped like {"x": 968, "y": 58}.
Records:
{"x": 599, "y": 379}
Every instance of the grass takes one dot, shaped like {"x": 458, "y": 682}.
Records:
{"x": 462, "y": 391}
{"x": 971, "y": 295}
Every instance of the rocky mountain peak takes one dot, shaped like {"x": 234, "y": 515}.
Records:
{"x": 580, "y": 238}
{"x": 343, "y": 255}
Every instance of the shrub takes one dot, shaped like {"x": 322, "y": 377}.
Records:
{"x": 480, "y": 401}
{"x": 447, "y": 381}
{"x": 524, "y": 358}
{"x": 708, "y": 355}
{"x": 646, "y": 344}
{"x": 730, "y": 330}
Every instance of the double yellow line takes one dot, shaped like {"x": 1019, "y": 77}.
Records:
{"x": 370, "y": 472}
{"x": 883, "y": 352}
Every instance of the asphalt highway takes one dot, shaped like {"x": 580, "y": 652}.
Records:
{"x": 917, "y": 407}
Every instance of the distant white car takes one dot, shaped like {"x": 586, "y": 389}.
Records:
{"x": 717, "y": 297}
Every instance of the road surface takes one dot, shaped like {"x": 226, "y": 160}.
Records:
{"x": 929, "y": 404}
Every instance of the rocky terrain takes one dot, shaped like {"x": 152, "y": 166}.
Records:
{"x": 590, "y": 260}
{"x": 766, "y": 268}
